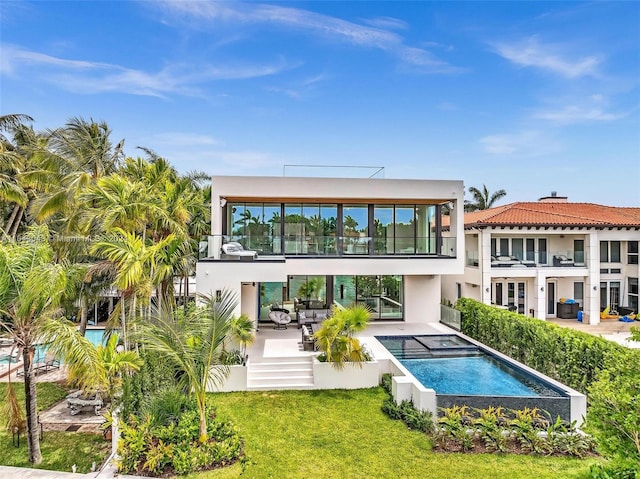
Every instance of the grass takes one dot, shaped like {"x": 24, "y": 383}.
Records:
{"x": 60, "y": 450}
{"x": 337, "y": 434}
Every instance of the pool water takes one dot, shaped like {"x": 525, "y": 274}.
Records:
{"x": 478, "y": 375}
{"x": 451, "y": 365}
{"x": 93, "y": 335}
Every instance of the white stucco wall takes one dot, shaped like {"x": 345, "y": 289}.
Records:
{"x": 422, "y": 299}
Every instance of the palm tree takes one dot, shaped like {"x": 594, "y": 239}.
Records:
{"x": 243, "y": 331}
{"x": 482, "y": 199}
{"x": 132, "y": 260}
{"x": 32, "y": 287}
{"x": 106, "y": 375}
{"x": 336, "y": 338}
{"x": 194, "y": 346}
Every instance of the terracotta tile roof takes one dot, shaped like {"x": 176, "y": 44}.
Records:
{"x": 554, "y": 214}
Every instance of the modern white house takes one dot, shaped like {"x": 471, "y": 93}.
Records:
{"x": 311, "y": 243}
{"x": 551, "y": 258}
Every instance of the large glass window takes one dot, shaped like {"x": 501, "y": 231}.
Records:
{"x": 504, "y": 247}
{"x": 578, "y": 251}
{"x": 426, "y": 229}
{"x": 610, "y": 251}
{"x": 312, "y": 228}
{"x": 382, "y": 294}
{"x": 405, "y": 230}
{"x": 604, "y": 251}
{"x": 578, "y": 292}
{"x": 615, "y": 251}
{"x": 308, "y": 292}
{"x": 294, "y": 229}
{"x": 253, "y": 225}
{"x": 531, "y": 249}
{"x": 517, "y": 248}
{"x": 355, "y": 229}
{"x": 632, "y": 252}
{"x": 383, "y": 236}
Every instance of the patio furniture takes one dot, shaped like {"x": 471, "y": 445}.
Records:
{"x": 280, "y": 318}
{"x": 308, "y": 342}
{"x": 76, "y": 402}
{"x": 504, "y": 261}
{"x": 562, "y": 260}
{"x": 236, "y": 250}
{"x": 312, "y": 316}
{"x": 40, "y": 366}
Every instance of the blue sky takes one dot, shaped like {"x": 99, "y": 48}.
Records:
{"x": 531, "y": 97}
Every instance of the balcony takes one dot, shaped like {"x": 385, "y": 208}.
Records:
{"x": 537, "y": 259}
{"x": 333, "y": 246}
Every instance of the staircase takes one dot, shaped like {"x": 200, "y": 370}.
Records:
{"x": 280, "y": 373}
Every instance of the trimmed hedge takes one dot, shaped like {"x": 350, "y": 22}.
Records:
{"x": 571, "y": 357}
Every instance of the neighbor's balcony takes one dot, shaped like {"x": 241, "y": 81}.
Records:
{"x": 536, "y": 259}
{"x": 323, "y": 246}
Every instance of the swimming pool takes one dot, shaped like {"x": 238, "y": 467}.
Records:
{"x": 477, "y": 375}
{"x": 94, "y": 335}
{"x": 465, "y": 373}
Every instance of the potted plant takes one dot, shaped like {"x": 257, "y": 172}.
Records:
{"x": 342, "y": 351}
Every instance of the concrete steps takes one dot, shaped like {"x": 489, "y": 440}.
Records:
{"x": 280, "y": 373}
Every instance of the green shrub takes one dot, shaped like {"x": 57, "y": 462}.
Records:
{"x": 416, "y": 419}
{"x": 614, "y": 470}
{"x": 613, "y": 416}
{"x": 148, "y": 447}
{"x": 608, "y": 372}
{"x": 572, "y": 357}
{"x": 386, "y": 382}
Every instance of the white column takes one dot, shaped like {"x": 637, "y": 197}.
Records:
{"x": 541, "y": 294}
{"x": 484, "y": 262}
{"x": 592, "y": 284}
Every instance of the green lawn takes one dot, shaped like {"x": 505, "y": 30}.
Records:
{"x": 338, "y": 434}
{"x": 60, "y": 450}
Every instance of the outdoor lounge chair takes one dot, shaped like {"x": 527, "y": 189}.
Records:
{"x": 562, "y": 260}
{"x": 504, "y": 261}
{"x": 235, "y": 249}
{"x": 280, "y": 318}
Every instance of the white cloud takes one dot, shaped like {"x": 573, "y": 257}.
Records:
{"x": 577, "y": 114}
{"x": 93, "y": 77}
{"x": 526, "y": 143}
{"x": 389, "y": 23}
{"x": 531, "y": 53}
{"x": 313, "y": 23}
{"x": 591, "y": 109}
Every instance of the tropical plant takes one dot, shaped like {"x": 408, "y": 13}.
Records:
{"x": 482, "y": 198}
{"x": 242, "y": 330}
{"x": 32, "y": 287}
{"x": 336, "y": 337}
{"x": 193, "y": 344}
{"x": 105, "y": 376}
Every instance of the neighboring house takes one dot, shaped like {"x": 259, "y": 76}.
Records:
{"x": 530, "y": 256}
{"x": 332, "y": 241}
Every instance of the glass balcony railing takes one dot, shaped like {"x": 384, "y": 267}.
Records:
{"x": 293, "y": 245}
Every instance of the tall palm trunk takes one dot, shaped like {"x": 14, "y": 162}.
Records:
{"x": 84, "y": 315}
{"x": 9, "y": 224}
{"x": 30, "y": 399}
{"x": 16, "y": 223}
